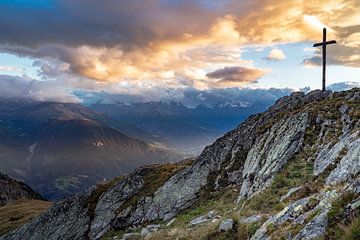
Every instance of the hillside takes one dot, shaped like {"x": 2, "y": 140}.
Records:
{"x": 12, "y": 190}
{"x": 18, "y": 204}
{"x": 60, "y": 149}
{"x": 291, "y": 172}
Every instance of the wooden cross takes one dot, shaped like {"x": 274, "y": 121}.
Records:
{"x": 323, "y": 44}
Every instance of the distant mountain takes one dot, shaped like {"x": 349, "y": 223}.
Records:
{"x": 188, "y": 129}
{"x": 291, "y": 172}
{"x": 12, "y": 190}
{"x": 60, "y": 149}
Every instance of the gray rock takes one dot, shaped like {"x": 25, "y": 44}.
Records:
{"x": 170, "y": 222}
{"x": 290, "y": 212}
{"x": 202, "y": 219}
{"x": 295, "y": 212}
{"x": 316, "y": 95}
{"x": 354, "y": 205}
{"x": 112, "y": 200}
{"x": 330, "y": 153}
{"x": 251, "y": 219}
{"x": 129, "y": 236}
{"x": 226, "y": 225}
{"x": 350, "y": 163}
{"x": 314, "y": 229}
{"x": 244, "y": 158}
{"x": 290, "y": 192}
{"x": 271, "y": 152}
{"x": 146, "y": 231}
{"x": 353, "y": 185}
{"x": 67, "y": 219}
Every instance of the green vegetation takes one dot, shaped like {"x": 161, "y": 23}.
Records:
{"x": 222, "y": 202}
{"x": 245, "y": 231}
{"x": 228, "y": 235}
{"x": 337, "y": 225}
{"x": 67, "y": 184}
{"x": 280, "y": 232}
{"x": 16, "y": 214}
{"x": 296, "y": 172}
{"x": 352, "y": 230}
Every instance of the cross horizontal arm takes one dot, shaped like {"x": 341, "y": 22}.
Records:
{"x": 330, "y": 42}
{"x": 322, "y": 44}
{"x": 318, "y": 44}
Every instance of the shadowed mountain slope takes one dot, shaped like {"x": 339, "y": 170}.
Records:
{"x": 290, "y": 172}
{"x": 60, "y": 149}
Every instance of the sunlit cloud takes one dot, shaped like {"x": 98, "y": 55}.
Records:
{"x": 174, "y": 44}
{"x": 276, "y": 55}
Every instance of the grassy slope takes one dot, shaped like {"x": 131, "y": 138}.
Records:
{"x": 297, "y": 172}
{"x": 20, "y": 212}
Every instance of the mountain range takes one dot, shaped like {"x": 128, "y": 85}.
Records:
{"x": 63, "y": 148}
{"x": 291, "y": 172}
{"x": 188, "y": 129}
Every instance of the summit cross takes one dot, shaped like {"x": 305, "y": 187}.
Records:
{"x": 323, "y": 44}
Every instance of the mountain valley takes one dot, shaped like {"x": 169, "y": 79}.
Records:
{"x": 60, "y": 149}
{"x": 291, "y": 172}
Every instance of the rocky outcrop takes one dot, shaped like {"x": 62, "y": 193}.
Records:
{"x": 297, "y": 212}
{"x": 271, "y": 151}
{"x": 110, "y": 201}
{"x": 251, "y": 219}
{"x": 11, "y": 190}
{"x": 226, "y": 225}
{"x": 290, "y": 192}
{"x": 68, "y": 219}
{"x": 247, "y": 158}
{"x": 349, "y": 165}
{"x": 205, "y": 218}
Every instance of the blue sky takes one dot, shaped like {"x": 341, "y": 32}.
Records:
{"x": 292, "y": 73}
{"x": 157, "y": 46}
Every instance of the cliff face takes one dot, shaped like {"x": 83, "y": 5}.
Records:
{"x": 12, "y": 190}
{"x": 286, "y": 170}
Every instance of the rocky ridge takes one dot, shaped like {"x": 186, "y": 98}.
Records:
{"x": 12, "y": 190}
{"x": 320, "y": 130}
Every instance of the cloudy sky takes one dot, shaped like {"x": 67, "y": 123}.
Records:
{"x": 50, "y": 49}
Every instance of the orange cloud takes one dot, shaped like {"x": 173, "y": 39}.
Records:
{"x": 180, "y": 46}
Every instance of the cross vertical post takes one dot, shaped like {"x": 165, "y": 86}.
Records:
{"x": 323, "y": 44}
{"x": 324, "y": 60}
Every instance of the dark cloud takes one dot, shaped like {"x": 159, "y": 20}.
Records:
{"x": 338, "y": 54}
{"x": 237, "y": 74}
{"x": 110, "y": 23}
